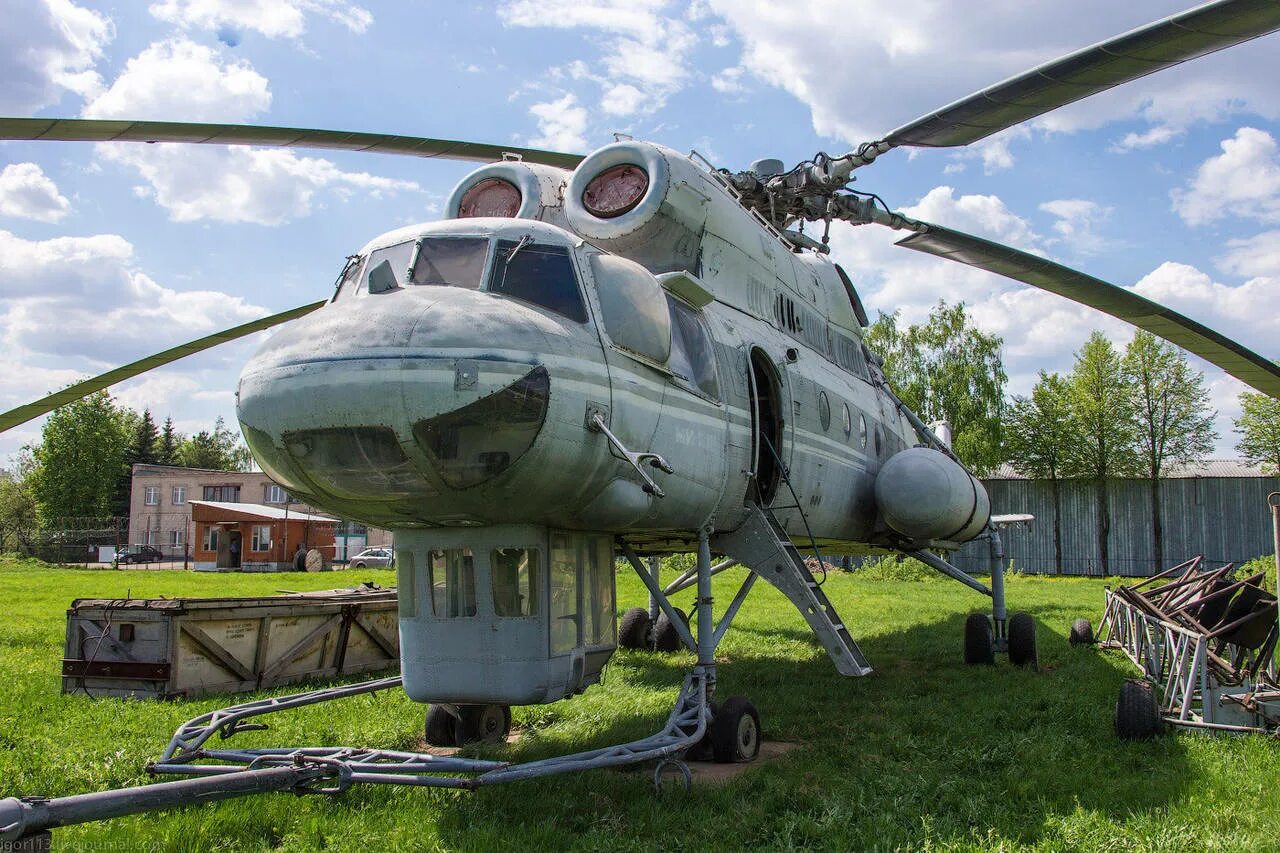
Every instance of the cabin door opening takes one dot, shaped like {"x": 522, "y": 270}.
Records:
{"x": 766, "y": 428}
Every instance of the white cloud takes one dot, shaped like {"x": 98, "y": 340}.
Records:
{"x": 1258, "y": 255}
{"x": 1249, "y": 312}
{"x": 1158, "y": 135}
{"x": 643, "y": 48}
{"x": 622, "y": 100}
{"x": 1076, "y": 227}
{"x": 27, "y": 192}
{"x": 864, "y": 67}
{"x": 107, "y": 309}
{"x": 48, "y": 48}
{"x": 179, "y": 79}
{"x": 729, "y": 80}
{"x": 272, "y": 18}
{"x": 1242, "y": 181}
{"x": 561, "y": 124}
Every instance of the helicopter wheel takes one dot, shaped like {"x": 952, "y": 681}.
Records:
{"x": 1081, "y": 633}
{"x": 1022, "y": 641}
{"x": 442, "y": 727}
{"x": 633, "y": 629}
{"x": 483, "y": 724}
{"x": 665, "y": 636}
{"x": 735, "y": 732}
{"x": 979, "y": 645}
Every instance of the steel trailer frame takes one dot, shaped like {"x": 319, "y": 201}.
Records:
{"x": 1196, "y": 686}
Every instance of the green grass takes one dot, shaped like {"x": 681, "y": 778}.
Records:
{"x": 924, "y": 754}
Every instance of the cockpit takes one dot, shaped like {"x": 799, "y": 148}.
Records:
{"x": 536, "y": 272}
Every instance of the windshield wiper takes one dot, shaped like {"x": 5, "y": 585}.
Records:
{"x": 524, "y": 241}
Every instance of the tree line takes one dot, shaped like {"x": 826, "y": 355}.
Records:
{"x": 1135, "y": 412}
{"x": 82, "y": 465}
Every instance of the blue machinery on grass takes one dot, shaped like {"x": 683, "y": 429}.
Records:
{"x": 225, "y": 773}
{"x": 1206, "y": 645}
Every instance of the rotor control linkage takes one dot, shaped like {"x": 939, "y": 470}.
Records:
{"x": 636, "y": 460}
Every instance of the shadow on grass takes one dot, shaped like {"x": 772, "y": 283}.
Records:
{"x": 926, "y": 749}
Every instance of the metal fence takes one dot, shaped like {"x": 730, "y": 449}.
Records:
{"x": 1225, "y": 519}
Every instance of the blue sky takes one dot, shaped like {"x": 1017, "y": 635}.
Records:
{"x": 1170, "y": 185}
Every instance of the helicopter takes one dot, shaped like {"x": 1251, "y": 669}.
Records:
{"x": 631, "y": 353}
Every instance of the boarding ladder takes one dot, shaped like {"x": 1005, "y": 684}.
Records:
{"x": 763, "y": 546}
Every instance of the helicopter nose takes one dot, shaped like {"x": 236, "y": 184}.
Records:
{"x": 392, "y": 400}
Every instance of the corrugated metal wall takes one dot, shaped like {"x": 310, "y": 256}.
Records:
{"x": 1226, "y": 519}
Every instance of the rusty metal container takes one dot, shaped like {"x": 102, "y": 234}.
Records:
{"x": 184, "y": 647}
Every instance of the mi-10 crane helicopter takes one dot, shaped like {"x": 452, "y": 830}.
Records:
{"x": 629, "y": 353}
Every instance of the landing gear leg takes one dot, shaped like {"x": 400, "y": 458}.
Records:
{"x": 999, "y": 617}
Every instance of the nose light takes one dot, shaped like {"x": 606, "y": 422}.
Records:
{"x": 615, "y": 191}
{"x": 481, "y": 440}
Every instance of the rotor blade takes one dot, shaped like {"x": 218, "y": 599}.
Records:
{"x": 1186, "y": 35}
{"x": 1242, "y": 363}
{"x": 70, "y": 394}
{"x": 98, "y": 130}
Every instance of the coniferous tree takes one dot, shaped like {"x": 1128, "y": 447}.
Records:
{"x": 1175, "y": 423}
{"x": 1040, "y": 434}
{"x": 170, "y": 441}
{"x": 1102, "y": 406}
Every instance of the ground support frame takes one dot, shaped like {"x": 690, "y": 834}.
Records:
{"x": 1190, "y": 670}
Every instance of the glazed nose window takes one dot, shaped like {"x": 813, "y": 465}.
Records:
{"x": 481, "y": 440}
{"x": 355, "y": 462}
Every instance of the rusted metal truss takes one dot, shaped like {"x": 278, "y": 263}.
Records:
{"x": 1206, "y": 641}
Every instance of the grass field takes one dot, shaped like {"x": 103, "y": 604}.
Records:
{"x": 924, "y": 754}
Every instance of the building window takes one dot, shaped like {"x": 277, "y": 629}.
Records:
{"x": 275, "y": 494}
{"x": 151, "y": 495}
{"x": 261, "y": 538}
{"x": 211, "y": 538}
{"x": 179, "y": 495}
{"x": 147, "y": 537}
{"x": 177, "y": 538}
{"x": 224, "y": 494}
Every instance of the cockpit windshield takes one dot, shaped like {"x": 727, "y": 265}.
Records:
{"x": 450, "y": 261}
{"x": 535, "y": 273}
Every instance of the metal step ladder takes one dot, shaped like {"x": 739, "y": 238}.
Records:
{"x": 763, "y": 546}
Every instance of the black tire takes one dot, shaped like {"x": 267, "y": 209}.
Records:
{"x": 483, "y": 724}
{"x": 1022, "y": 641}
{"x": 358, "y": 565}
{"x": 1137, "y": 712}
{"x": 665, "y": 636}
{"x": 735, "y": 732}
{"x": 442, "y": 727}
{"x": 1081, "y": 633}
{"x": 633, "y": 629}
{"x": 979, "y": 645}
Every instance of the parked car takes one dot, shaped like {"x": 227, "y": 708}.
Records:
{"x": 139, "y": 554}
{"x": 373, "y": 557}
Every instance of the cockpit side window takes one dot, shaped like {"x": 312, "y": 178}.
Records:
{"x": 632, "y": 307}
{"x": 387, "y": 268}
{"x": 450, "y": 261}
{"x": 692, "y": 358}
{"x": 539, "y": 274}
